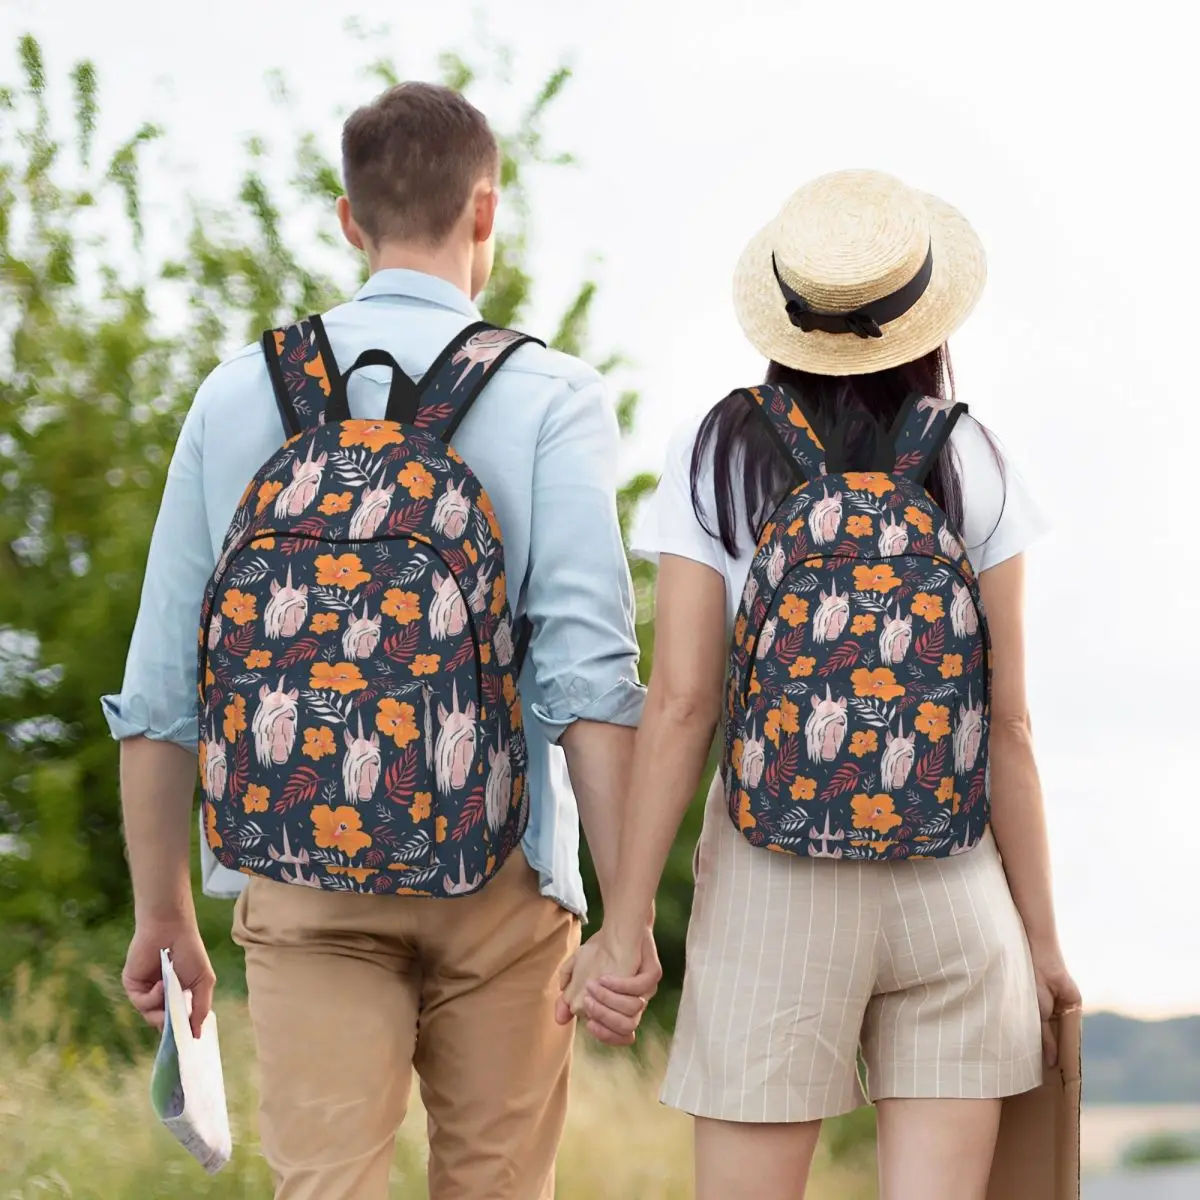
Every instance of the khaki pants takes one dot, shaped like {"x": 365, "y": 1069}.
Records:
{"x": 348, "y": 993}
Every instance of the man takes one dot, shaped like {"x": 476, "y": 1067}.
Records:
{"x": 348, "y": 992}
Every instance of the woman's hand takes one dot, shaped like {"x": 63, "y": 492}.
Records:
{"x": 609, "y": 986}
{"x": 1056, "y": 992}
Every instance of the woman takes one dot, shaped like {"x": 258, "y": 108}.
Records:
{"x": 905, "y": 920}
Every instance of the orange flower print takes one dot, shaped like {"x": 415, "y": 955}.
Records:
{"x": 863, "y": 623}
{"x": 421, "y": 807}
{"x": 235, "y": 718}
{"x": 418, "y": 481}
{"x": 439, "y": 829}
{"x": 316, "y": 369}
{"x": 797, "y": 418}
{"x": 510, "y": 690}
{"x": 795, "y": 527}
{"x": 335, "y": 502}
{"x": 358, "y": 874}
{"x": 802, "y": 667}
{"x": 372, "y": 434}
{"x": 771, "y": 726}
{"x": 267, "y": 543}
{"x": 499, "y": 595}
{"x": 256, "y": 798}
{"x": 869, "y": 481}
{"x": 739, "y": 631}
{"x": 922, "y": 520}
{"x": 735, "y": 757}
{"x": 258, "y": 658}
{"x": 240, "y": 607}
{"x": 794, "y": 610}
{"x": 210, "y": 827}
{"x": 768, "y": 532}
{"x": 951, "y": 666}
{"x": 745, "y": 820}
{"x": 266, "y": 494}
{"x": 342, "y": 678}
{"x": 341, "y": 570}
{"x": 470, "y": 552}
{"x": 484, "y": 504}
{"x": 933, "y": 720}
{"x": 863, "y": 742}
{"x": 929, "y": 607}
{"x": 485, "y": 654}
{"x": 880, "y": 683}
{"x": 876, "y": 812}
{"x": 425, "y": 664}
{"x": 325, "y": 622}
{"x": 789, "y": 716}
{"x": 804, "y": 789}
{"x": 319, "y": 743}
{"x": 398, "y": 721}
{"x": 402, "y": 607}
{"x": 339, "y": 829}
{"x": 880, "y": 578}
{"x": 945, "y": 789}
{"x": 859, "y": 526}
{"x": 756, "y": 686}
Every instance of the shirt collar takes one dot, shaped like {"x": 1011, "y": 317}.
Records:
{"x": 397, "y": 281}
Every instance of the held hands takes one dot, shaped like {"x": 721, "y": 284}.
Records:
{"x": 609, "y": 986}
{"x": 142, "y": 976}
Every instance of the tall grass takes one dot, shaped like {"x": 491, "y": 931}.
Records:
{"x": 77, "y": 1123}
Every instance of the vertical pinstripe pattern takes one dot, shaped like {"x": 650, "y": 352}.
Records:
{"x": 792, "y": 963}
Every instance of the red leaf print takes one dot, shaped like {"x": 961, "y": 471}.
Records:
{"x": 400, "y": 779}
{"x": 298, "y": 545}
{"x": 930, "y": 765}
{"x": 433, "y": 414}
{"x": 976, "y": 793}
{"x": 788, "y": 647}
{"x": 846, "y": 655}
{"x": 491, "y": 688}
{"x": 240, "y": 774}
{"x": 789, "y": 758}
{"x": 930, "y": 644}
{"x": 300, "y": 789}
{"x": 457, "y": 561}
{"x": 799, "y": 549}
{"x": 304, "y": 650}
{"x": 407, "y": 517}
{"x": 846, "y": 550}
{"x": 976, "y": 659}
{"x": 906, "y": 462}
{"x": 464, "y": 654}
{"x": 771, "y": 775}
{"x": 843, "y": 780}
{"x": 472, "y": 814}
{"x": 312, "y": 527}
{"x": 402, "y": 647}
{"x": 923, "y": 545}
{"x": 240, "y": 642}
{"x": 375, "y": 858}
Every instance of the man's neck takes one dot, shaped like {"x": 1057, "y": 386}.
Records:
{"x": 446, "y": 262}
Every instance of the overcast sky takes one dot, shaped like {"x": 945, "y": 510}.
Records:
{"x": 1059, "y": 131}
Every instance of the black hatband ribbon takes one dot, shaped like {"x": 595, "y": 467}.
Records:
{"x": 864, "y": 321}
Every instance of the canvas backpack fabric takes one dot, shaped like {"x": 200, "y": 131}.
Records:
{"x": 856, "y": 713}
{"x": 360, "y": 726}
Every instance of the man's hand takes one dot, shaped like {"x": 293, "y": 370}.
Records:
{"x": 609, "y": 988}
{"x": 142, "y": 977}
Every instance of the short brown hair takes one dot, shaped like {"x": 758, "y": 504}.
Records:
{"x": 410, "y": 159}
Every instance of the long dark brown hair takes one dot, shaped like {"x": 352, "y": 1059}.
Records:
{"x": 860, "y": 407}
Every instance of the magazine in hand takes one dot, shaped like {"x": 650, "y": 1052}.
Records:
{"x": 187, "y": 1088}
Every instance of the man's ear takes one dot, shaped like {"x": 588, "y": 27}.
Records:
{"x": 350, "y": 229}
{"x": 486, "y": 198}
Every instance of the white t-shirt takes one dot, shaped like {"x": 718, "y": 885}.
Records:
{"x": 1000, "y": 518}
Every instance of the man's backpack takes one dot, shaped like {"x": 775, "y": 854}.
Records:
{"x": 360, "y": 728}
{"x": 857, "y": 704}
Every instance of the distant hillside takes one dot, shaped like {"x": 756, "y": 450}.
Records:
{"x": 1140, "y": 1062}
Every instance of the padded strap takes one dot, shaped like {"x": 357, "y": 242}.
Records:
{"x": 791, "y": 427}
{"x": 462, "y": 370}
{"x": 304, "y": 373}
{"x": 920, "y": 431}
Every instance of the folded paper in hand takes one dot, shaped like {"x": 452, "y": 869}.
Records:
{"x": 187, "y": 1088}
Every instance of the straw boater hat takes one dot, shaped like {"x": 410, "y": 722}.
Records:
{"x": 857, "y": 273}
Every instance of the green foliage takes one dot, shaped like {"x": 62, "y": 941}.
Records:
{"x": 1163, "y": 1149}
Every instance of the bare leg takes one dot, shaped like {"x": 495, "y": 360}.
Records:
{"x": 936, "y": 1149}
{"x": 753, "y": 1161}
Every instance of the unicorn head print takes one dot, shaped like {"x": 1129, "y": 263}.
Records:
{"x": 480, "y": 592}
{"x": 287, "y": 610}
{"x": 216, "y": 768}
{"x": 362, "y": 635}
{"x": 897, "y": 761}
{"x": 826, "y": 517}
{"x": 498, "y": 793}
{"x": 360, "y": 764}
{"x": 451, "y": 512}
{"x": 374, "y": 504}
{"x": 753, "y": 759}
{"x": 831, "y": 616}
{"x": 893, "y": 537}
{"x": 274, "y": 724}
{"x": 481, "y": 350}
{"x": 307, "y": 474}
{"x": 895, "y": 638}
{"x": 455, "y": 751}
{"x": 447, "y": 612}
{"x": 968, "y": 734}
{"x": 964, "y": 620}
{"x": 825, "y": 729}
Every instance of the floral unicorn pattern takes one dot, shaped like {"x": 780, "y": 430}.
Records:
{"x": 358, "y": 676}
{"x": 856, "y": 713}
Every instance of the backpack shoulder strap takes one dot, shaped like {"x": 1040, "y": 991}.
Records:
{"x": 304, "y": 374}
{"x": 791, "y": 428}
{"x": 919, "y": 432}
{"x": 462, "y": 370}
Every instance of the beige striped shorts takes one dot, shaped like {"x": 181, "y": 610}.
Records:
{"x": 795, "y": 966}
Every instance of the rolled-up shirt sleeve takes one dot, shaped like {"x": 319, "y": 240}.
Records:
{"x": 158, "y": 694}
{"x": 579, "y": 595}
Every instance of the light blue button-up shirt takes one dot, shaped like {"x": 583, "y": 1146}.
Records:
{"x": 544, "y": 442}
